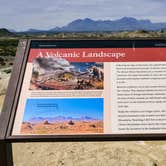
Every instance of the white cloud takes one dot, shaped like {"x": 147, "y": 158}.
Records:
{"x": 42, "y": 14}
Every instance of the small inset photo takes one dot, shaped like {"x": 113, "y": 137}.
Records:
{"x": 63, "y": 116}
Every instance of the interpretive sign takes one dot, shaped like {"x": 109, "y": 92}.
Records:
{"x": 86, "y": 90}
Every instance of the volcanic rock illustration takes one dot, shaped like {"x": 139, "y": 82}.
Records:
{"x": 60, "y": 74}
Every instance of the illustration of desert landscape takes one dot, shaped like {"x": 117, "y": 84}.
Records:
{"x": 59, "y": 74}
{"x": 63, "y": 116}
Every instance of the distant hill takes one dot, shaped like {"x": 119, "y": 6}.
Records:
{"x": 36, "y": 30}
{"x": 123, "y": 24}
{"x": 5, "y": 32}
{"x": 58, "y": 119}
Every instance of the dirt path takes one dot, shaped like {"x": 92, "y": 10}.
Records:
{"x": 91, "y": 154}
{"x": 4, "y": 79}
{"x": 1, "y": 101}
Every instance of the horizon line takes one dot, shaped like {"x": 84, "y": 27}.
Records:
{"x": 72, "y": 118}
{"x": 130, "y": 17}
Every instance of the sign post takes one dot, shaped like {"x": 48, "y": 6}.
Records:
{"x": 6, "y": 154}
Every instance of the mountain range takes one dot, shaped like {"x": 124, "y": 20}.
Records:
{"x": 58, "y": 119}
{"x": 5, "y": 32}
{"x": 89, "y": 25}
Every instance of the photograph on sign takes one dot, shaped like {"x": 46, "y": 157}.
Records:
{"x": 63, "y": 116}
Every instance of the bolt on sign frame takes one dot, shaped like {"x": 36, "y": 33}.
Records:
{"x": 88, "y": 62}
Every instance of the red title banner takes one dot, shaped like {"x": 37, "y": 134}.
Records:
{"x": 101, "y": 54}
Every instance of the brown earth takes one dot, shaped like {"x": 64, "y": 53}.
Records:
{"x": 1, "y": 101}
{"x": 63, "y": 127}
{"x": 90, "y": 154}
{"x": 68, "y": 85}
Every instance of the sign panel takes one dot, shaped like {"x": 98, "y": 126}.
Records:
{"x": 92, "y": 88}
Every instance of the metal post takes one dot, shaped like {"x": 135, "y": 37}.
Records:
{"x": 6, "y": 156}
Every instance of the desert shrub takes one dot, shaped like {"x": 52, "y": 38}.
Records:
{"x": 2, "y": 63}
{"x": 1, "y": 59}
{"x": 7, "y": 43}
{"x": 7, "y": 71}
{"x": 143, "y": 31}
{"x": 162, "y": 31}
{"x": 11, "y": 63}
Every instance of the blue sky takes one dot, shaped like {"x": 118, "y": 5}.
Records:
{"x": 42, "y": 14}
{"x": 64, "y": 107}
